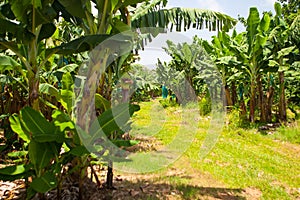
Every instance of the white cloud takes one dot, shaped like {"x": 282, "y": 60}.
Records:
{"x": 210, "y": 4}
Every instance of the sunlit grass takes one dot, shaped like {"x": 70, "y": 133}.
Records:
{"x": 288, "y": 134}
{"x": 240, "y": 159}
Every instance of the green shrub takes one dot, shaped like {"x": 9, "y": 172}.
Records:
{"x": 205, "y": 106}
{"x": 168, "y": 103}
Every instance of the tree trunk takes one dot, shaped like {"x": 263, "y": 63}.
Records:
{"x": 243, "y": 110}
{"x": 86, "y": 109}
{"x": 252, "y": 101}
{"x": 262, "y": 103}
{"x": 109, "y": 176}
{"x": 34, "y": 82}
{"x": 233, "y": 93}
{"x": 282, "y": 103}
{"x": 270, "y": 95}
{"x": 228, "y": 96}
{"x": 189, "y": 90}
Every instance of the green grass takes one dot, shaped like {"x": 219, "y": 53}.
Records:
{"x": 242, "y": 158}
{"x": 289, "y": 134}
{"x": 247, "y": 159}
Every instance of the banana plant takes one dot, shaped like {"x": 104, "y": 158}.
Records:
{"x": 26, "y": 27}
{"x": 172, "y": 78}
{"x": 281, "y": 48}
{"x": 44, "y": 140}
{"x": 188, "y": 59}
{"x": 226, "y": 61}
{"x": 145, "y": 80}
{"x": 256, "y": 37}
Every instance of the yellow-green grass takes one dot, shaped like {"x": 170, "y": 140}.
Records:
{"x": 240, "y": 159}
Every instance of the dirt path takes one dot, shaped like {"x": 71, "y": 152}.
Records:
{"x": 179, "y": 181}
{"x": 166, "y": 185}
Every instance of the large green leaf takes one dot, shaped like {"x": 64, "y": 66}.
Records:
{"x": 187, "y": 53}
{"x": 20, "y": 9}
{"x": 81, "y": 44}
{"x": 74, "y": 7}
{"x": 285, "y": 51}
{"x": 182, "y": 18}
{"x": 14, "y": 170}
{"x": 17, "y": 127}
{"x": 58, "y": 137}
{"x": 36, "y": 122}
{"x": 23, "y": 11}
{"x": 67, "y": 81}
{"x": 101, "y": 102}
{"x": 44, "y": 183}
{"x": 11, "y": 173}
{"x": 67, "y": 92}
{"x": 265, "y": 22}
{"x": 47, "y": 30}
{"x": 46, "y": 88}
{"x": 7, "y": 63}
{"x": 111, "y": 120}
{"x": 68, "y": 68}
{"x": 40, "y": 154}
{"x": 278, "y": 9}
{"x": 252, "y": 24}
{"x": 59, "y": 8}
{"x": 116, "y": 117}
{"x": 79, "y": 151}
{"x": 62, "y": 120}
{"x": 6, "y": 11}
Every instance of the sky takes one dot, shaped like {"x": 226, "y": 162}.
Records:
{"x": 232, "y": 8}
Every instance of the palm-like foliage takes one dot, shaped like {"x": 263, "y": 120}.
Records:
{"x": 188, "y": 60}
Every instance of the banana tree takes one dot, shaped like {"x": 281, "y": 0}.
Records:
{"x": 251, "y": 55}
{"x": 188, "y": 59}
{"x": 281, "y": 48}
{"x": 26, "y": 27}
{"x": 226, "y": 61}
{"x": 145, "y": 81}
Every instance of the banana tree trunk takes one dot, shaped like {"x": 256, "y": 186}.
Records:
{"x": 33, "y": 82}
{"x": 252, "y": 100}
{"x": 189, "y": 90}
{"x": 86, "y": 108}
{"x": 228, "y": 96}
{"x": 262, "y": 103}
{"x": 233, "y": 93}
{"x": 110, "y": 83}
{"x": 282, "y": 102}
{"x": 270, "y": 97}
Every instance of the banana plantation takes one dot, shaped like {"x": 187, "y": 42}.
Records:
{"x": 74, "y": 102}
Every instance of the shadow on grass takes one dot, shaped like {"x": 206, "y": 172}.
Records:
{"x": 142, "y": 189}
{"x": 153, "y": 190}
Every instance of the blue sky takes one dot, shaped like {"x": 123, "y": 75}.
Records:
{"x": 232, "y": 8}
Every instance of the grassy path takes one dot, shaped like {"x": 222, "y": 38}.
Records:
{"x": 244, "y": 164}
